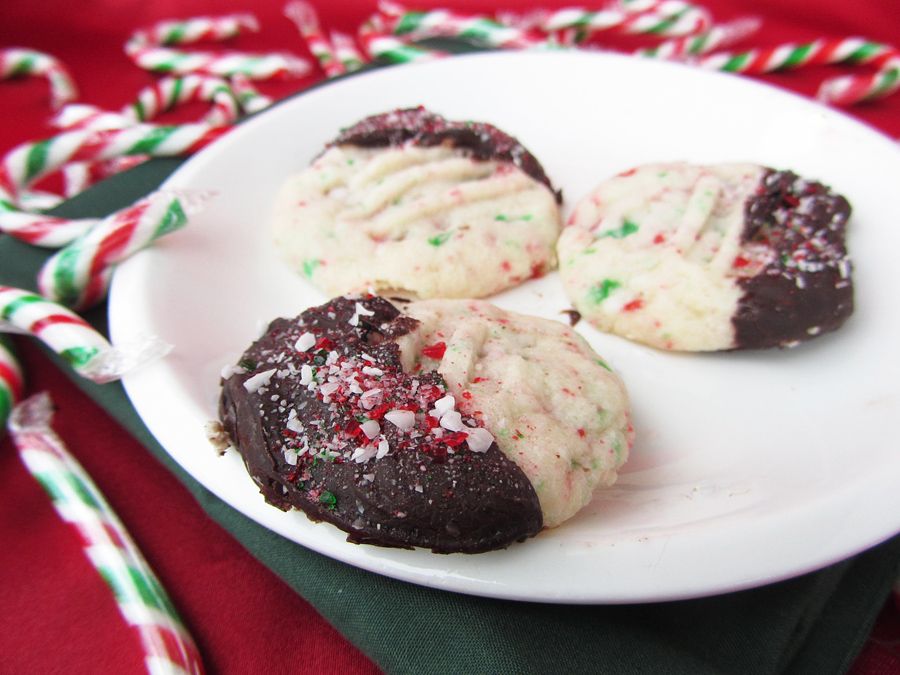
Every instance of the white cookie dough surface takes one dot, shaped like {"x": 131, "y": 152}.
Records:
{"x": 553, "y": 406}
{"x": 654, "y": 254}
{"x": 427, "y": 220}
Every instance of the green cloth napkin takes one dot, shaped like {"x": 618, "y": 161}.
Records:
{"x": 812, "y": 624}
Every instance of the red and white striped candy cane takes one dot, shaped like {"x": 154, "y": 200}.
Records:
{"x": 851, "y": 89}
{"x": 78, "y": 276}
{"x": 79, "y": 176}
{"x": 171, "y": 92}
{"x": 30, "y": 161}
{"x": 377, "y": 43}
{"x": 20, "y": 62}
{"x": 716, "y": 37}
{"x": 229, "y": 98}
{"x": 71, "y": 337}
{"x": 148, "y": 49}
{"x": 443, "y": 23}
{"x": 839, "y": 91}
{"x": 852, "y": 50}
{"x": 346, "y": 51}
{"x": 12, "y": 384}
{"x": 142, "y": 601}
{"x": 305, "y": 18}
{"x": 672, "y": 18}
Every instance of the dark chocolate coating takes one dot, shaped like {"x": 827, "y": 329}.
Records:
{"x": 424, "y": 493}
{"x": 806, "y": 290}
{"x": 421, "y": 127}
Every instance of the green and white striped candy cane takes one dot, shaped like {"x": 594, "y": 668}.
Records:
{"x": 844, "y": 90}
{"x": 18, "y": 62}
{"x": 71, "y": 337}
{"x": 148, "y": 51}
{"x": 28, "y": 162}
{"x": 672, "y": 18}
{"x": 716, "y": 37}
{"x": 411, "y": 25}
{"x": 11, "y": 381}
{"x": 853, "y": 50}
{"x": 346, "y": 51}
{"x": 395, "y": 51}
{"x": 78, "y": 275}
{"x": 142, "y": 601}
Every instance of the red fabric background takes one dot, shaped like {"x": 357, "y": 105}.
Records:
{"x": 55, "y": 613}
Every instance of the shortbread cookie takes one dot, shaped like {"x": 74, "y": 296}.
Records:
{"x": 453, "y": 425}
{"x": 408, "y": 201}
{"x": 702, "y": 258}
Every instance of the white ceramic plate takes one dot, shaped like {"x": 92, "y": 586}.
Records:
{"x": 748, "y": 467}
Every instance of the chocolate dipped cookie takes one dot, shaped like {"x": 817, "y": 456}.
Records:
{"x": 450, "y": 425}
{"x": 704, "y": 258}
{"x": 410, "y": 201}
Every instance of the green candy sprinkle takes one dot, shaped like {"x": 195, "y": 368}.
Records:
{"x": 503, "y": 218}
{"x": 601, "y": 362}
{"x": 628, "y": 228}
{"x": 600, "y": 292}
{"x": 328, "y": 499}
{"x": 309, "y": 266}
{"x": 440, "y": 239}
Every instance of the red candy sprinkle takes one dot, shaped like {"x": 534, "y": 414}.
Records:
{"x": 633, "y": 305}
{"x": 740, "y": 261}
{"x": 378, "y": 412}
{"x": 581, "y": 432}
{"x": 659, "y": 239}
{"x": 454, "y": 439}
{"x": 435, "y": 351}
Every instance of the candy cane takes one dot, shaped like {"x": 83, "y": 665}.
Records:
{"x": 855, "y": 88}
{"x": 78, "y": 276}
{"x": 346, "y": 51}
{"x": 795, "y": 55}
{"x": 11, "y": 381}
{"x": 79, "y": 176}
{"x": 378, "y": 44}
{"x": 247, "y": 95}
{"x": 147, "y": 49}
{"x": 229, "y": 99}
{"x": 655, "y": 17}
{"x": 71, "y": 337}
{"x": 171, "y": 92}
{"x": 304, "y": 17}
{"x": 17, "y": 62}
{"x": 40, "y": 230}
{"x": 443, "y": 23}
{"x": 702, "y": 43}
{"x": 838, "y": 91}
{"x": 142, "y": 601}
{"x": 197, "y": 29}
{"x": 30, "y": 161}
